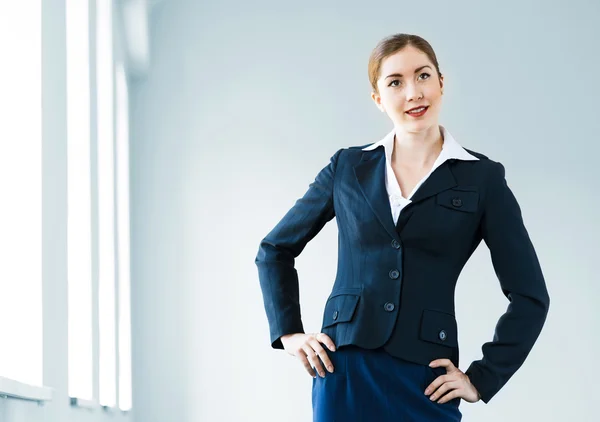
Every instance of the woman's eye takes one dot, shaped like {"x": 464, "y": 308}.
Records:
{"x": 396, "y": 80}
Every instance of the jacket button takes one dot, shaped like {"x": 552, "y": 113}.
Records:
{"x": 442, "y": 335}
{"x": 389, "y": 306}
{"x": 394, "y": 274}
{"x": 335, "y": 315}
{"x": 457, "y": 202}
{"x": 395, "y": 244}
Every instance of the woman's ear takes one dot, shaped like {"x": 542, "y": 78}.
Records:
{"x": 377, "y": 100}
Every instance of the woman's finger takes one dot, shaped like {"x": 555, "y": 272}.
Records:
{"x": 322, "y": 353}
{"x": 313, "y": 359}
{"x": 300, "y": 354}
{"x": 326, "y": 340}
{"x": 440, "y": 380}
{"x": 451, "y": 395}
{"x": 445, "y": 387}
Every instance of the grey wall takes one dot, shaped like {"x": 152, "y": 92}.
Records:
{"x": 246, "y": 102}
{"x": 54, "y": 224}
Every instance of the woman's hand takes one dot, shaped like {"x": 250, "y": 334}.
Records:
{"x": 307, "y": 348}
{"x": 455, "y": 381}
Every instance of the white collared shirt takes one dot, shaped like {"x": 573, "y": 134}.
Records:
{"x": 450, "y": 149}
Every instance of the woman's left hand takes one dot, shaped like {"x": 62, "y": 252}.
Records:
{"x": 455, "y": 383}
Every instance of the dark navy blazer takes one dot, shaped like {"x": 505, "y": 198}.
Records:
{"x": 395, "y": 284}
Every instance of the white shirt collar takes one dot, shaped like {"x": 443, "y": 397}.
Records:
{"x": 450, "y": 148}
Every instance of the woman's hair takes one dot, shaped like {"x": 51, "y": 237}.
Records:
{"x": 391, "y": 45}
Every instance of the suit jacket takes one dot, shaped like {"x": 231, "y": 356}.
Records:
{"x": 395, "y": 283}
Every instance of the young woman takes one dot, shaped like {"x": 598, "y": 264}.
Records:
{"x": 411, "y": 209}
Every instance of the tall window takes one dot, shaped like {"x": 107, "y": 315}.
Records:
{"x": 123, "y": 239}
{"x": 106, "y": 206}
{"x": 79, "y": 201}
{"x": 21, "y": 191}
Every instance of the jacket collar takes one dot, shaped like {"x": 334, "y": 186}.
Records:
{"x": 370, "y": 173}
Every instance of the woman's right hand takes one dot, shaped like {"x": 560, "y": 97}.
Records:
{"x": 307, "y": 348}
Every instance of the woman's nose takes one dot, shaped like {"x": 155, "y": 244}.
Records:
{"x": 413, "y": 94}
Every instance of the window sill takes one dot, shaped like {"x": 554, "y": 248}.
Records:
{"x": 116, "y": 409}
{"x": 18, "y": 390}
{"x": 88, "y": 404}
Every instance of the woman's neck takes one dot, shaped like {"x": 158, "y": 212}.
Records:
{"x": 417, "y": 149}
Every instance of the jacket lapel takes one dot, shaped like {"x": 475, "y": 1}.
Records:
{"x": 440, "y": 180}
{"x": 370, "y": 175}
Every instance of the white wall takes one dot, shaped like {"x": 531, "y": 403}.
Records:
{"x": 246, "y": 101}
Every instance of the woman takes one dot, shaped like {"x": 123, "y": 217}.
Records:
{"x": 410, "y": 209}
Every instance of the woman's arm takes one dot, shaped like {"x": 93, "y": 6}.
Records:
{"x": 520, "y": 275}
{"x": 278, "y": 250}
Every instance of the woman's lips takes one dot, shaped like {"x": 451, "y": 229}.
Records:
{"x": 418, "y": 114}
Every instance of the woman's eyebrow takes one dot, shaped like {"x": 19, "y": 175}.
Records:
{"x": 399, "y": 75}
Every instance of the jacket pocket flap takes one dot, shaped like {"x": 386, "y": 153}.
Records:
{"x": 459, "y": 199}
{"x": 439, "y": 327}
{"x": 340, "y": 308}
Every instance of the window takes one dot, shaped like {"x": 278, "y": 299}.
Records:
{"x": 123, "y": 239}
{"x": 79, "y": 230}
{"x": 21, "y": 192}
{"x": 106, "y": 206}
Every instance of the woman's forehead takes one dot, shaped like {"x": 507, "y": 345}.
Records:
{"x": 405, "y": 61}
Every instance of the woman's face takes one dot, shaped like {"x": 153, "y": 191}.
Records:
{"x": 404, "y": 83}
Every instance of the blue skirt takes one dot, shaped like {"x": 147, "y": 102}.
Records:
{"x": 374, "y": 386}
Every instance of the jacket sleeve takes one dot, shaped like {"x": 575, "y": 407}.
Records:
{"x": 278, "y": 250}
{"x": 518, "y": 270}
